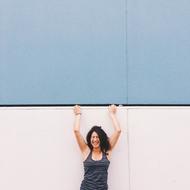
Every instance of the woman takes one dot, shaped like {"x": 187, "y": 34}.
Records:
{"x": 96, "y": 151}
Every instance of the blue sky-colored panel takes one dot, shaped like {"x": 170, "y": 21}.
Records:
{"x": 158, "y": 45}
{"x": 62, "y": 52}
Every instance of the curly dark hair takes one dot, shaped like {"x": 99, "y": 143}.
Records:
{"x": 104, "y": 140}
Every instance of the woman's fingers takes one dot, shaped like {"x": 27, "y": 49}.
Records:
{"x": 112, "y": 109}
{"x": 77, "y": 109}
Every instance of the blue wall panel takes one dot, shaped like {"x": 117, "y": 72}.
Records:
{"x": 62, "y": 51}
{"x": 69, "y": 51}
{"x": 158, "y": 51}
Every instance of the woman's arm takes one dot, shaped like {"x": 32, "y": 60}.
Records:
{"x": 80, "y": 140}
{"x": 117, "y": 130}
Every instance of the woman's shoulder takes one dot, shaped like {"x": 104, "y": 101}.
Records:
{"x": 108, "y": 154}
{"x": 86, "y": 153}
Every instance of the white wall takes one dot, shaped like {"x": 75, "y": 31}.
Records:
{"x": 38, "y": 149}
{"x": 159, "y": 154}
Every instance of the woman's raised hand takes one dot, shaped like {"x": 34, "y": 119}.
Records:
{"x": 112, "y": 109}
{"x": 117, "y": 130}
{"x": 77, "y": 110}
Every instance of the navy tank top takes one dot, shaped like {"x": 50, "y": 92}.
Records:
{"x": 95, "y": 173}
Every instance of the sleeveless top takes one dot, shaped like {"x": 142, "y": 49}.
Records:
{"x": 95, "y": 173}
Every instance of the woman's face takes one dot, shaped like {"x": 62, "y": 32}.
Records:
{"x": 95, "y": 141}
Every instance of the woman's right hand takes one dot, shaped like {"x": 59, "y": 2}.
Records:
{"x": 77, "y": 110}
{"x": 112, "y": 109}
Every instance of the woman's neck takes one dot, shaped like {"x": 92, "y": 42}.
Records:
{"x": 96, "y": 150}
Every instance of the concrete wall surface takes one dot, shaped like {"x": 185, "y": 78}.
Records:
{"x": 38, "y": 149}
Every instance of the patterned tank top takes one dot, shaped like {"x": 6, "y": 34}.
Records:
{"x": 95, "y": 173}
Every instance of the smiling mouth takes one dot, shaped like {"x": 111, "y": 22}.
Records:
{"x": 95, "y": 143}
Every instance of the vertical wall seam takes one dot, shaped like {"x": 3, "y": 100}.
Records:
{"x": 128, "y": 146}
{"x": 127, "y": 92}
{"x": 126, "y": 51}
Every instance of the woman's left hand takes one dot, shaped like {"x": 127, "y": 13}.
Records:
{"x": 112, "y": 109}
